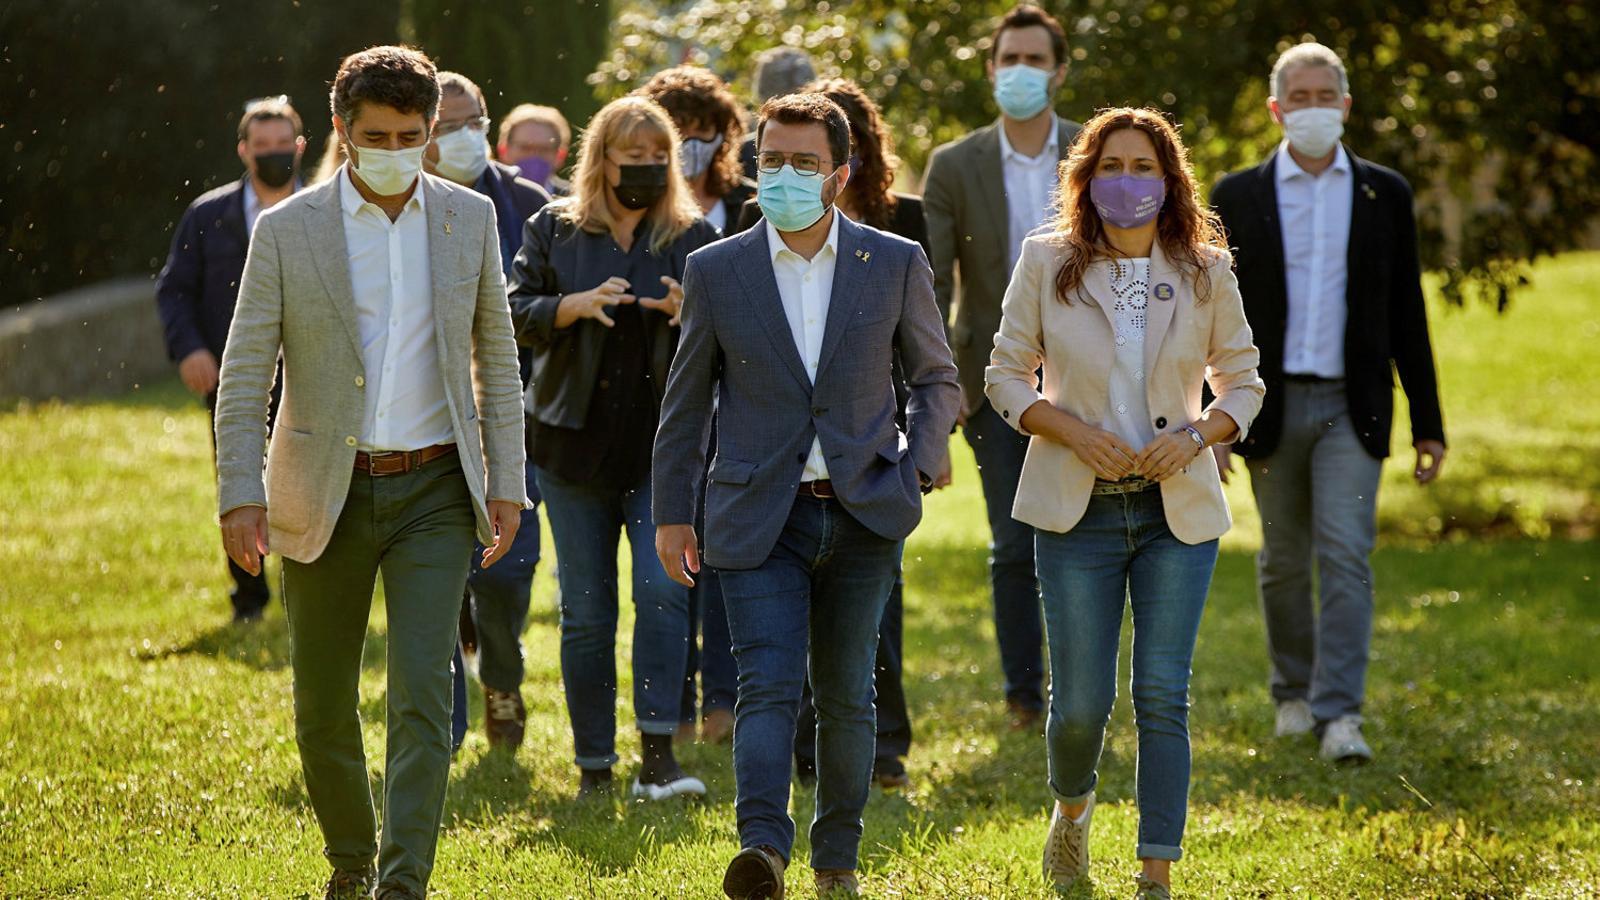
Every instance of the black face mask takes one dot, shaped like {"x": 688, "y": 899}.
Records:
{"x": 275, "y": 169}
{"x": 639, "y": 187}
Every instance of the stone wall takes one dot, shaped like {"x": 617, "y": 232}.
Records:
{"x": 100, "y": 339}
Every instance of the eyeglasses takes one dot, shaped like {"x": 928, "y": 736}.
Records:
{"x": 479, "y": 124}
{"x": 771, "y": 162}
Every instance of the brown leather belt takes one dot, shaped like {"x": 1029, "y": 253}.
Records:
{"x": 822, "y": 489}
{"x": 400, "y": 462}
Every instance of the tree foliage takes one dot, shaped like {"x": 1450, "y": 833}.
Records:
{"x": 1490, "y": 107}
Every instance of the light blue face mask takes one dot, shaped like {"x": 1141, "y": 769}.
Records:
{"x": 1022, "y": 91}
{"x": 789, "y": 200}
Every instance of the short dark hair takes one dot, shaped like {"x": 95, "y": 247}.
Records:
{"x": 265, "y": 110}
{"x": 457, "y": 83}
{"x": 1026, "y": 15}
{"x": 801, "y": 109}
{"x": 401, "y": 77}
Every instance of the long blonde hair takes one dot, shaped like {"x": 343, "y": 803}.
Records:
{"x": 617, "y": 124}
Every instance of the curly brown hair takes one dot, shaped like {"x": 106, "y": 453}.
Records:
{"x": 870, "y": 184}
{"x": 1190, "y": 233}
{"x": 401, "y": 77}
{"x": 695, "y": 96}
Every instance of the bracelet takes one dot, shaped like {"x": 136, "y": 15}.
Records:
{"x": 1199, "y": 439}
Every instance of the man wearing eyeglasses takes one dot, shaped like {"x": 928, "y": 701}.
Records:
{"x": 200, "y": 282}
{"x": 495, "y": 608}
{"x": 792, "y": 328}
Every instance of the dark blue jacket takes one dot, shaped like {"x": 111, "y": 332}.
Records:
{"x": 515, "y": 199}
{"x": 200, "y": 282}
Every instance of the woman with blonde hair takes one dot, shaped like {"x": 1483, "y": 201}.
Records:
{"x": 595, "y": 292}
{"x": 1129, "y": 306}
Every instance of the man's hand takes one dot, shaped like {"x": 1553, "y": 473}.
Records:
{"x": 1224, "y": 454}
{"x": 244, "y": 536}
{"x": 677, "y": 548}
{"x": 592, "y": 304}
{"x": 505, "y": 517}
{"x": 199, "y": 372}
{"x": 671, "y": 304}
{"x": 1433, "y": 452}
{"x": 945, "y": 476}
{"x": 962, "y": 412}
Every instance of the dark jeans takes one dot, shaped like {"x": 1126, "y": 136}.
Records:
{"x": 249, "y": 594}
{"x": 586, "y": 520}
{"x": 712, "y": 657}
{"x": 999, "y": 450}
{"x": 893, "y": 719}
{"x": 1122, "y": 553}
{"x": 815, "y": 605}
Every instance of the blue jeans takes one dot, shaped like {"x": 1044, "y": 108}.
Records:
{"x": 999, "y": 451}
{"x": 585, "y": 522}
{"x": 814, "y": 604}
{"x": 1120, "y": 553}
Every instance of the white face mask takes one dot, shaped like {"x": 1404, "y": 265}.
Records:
{"x": 387, "y": 172}
{"x": 463, "y": 155}
{"x": 1315, "y": 130}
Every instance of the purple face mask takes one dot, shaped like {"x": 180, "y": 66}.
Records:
{"x": 536, "y": 169}
{"x": 1127, "y": 201}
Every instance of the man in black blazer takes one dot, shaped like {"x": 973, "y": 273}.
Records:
{"x": 1326, "y": 249}
{"x": 200, "y": 281}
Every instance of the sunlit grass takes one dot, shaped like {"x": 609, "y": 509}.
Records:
{"x": 146, "y": 745}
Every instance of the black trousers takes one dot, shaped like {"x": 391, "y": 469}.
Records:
{"x": 249, "y": 593}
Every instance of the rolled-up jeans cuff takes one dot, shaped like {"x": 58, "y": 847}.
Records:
{"x": 1160, "y": 851}
{"x": 658, "y": 727}
{"x": 1074, "y": 799}
{"x": 596, "y": 762}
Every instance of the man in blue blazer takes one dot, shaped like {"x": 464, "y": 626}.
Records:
{"x": 199, "y": 284}
{"x": 792, "y": 329}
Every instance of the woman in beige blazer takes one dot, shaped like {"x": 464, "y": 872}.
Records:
{"x": 1129, "y": 306}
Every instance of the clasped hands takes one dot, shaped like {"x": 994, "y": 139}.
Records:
{"x": 1113, "y": 460}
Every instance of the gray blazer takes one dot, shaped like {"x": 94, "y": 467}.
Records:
{"x": 736, "y": 346}
{"x": 296, "y": 298}
{"x": 964, "y": 197}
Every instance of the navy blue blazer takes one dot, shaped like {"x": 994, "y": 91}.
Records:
{"x": 736, "y": 346}
{"x": 200, "y": 282}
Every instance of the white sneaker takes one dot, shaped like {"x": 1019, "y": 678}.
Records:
{"x": 1066, "y": 847}
{"x": 687, "y": 786}
{"x": 1342, "y": 741}
{"x": 1295, "y": 719}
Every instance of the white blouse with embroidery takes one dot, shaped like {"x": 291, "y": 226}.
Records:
{"x": 1130, "y": 408}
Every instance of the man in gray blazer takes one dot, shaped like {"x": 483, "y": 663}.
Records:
{"x": 398, "y": 440}
{"x": 983, "y": 194}
{"x": 792, "y": 328}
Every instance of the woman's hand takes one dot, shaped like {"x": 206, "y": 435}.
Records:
{"x": 1166, "y": 455}
{"x": 592, "y": 304}
{"x": 1105, "y": 453}
{"x": 671, "y": 305}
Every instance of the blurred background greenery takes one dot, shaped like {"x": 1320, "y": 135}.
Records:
{"x": 117, "y": 114}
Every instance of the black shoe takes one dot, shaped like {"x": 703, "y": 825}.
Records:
{"x": 349, "y": 884}
{"x": 755, "y": 874}
{"x": 890, "y": 774}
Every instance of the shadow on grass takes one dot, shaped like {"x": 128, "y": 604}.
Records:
{"x": 262, "y": 645}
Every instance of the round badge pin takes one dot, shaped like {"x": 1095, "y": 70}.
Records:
{"x": 1164, "y": 291}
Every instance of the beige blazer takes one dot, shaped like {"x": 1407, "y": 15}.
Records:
{"x": 1185, "y": 344}
{"x": 295, "y": 298}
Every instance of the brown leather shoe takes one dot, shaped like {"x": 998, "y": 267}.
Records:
{"x": 684, "y": 734}
{"x": 717, "y": 727}
{"x": 1025, "y": 718}
{"x": 349, "y": 884}
{"x": 837, "y": 884}
{"x": 755, "y": 874}
{"x": 504, "y": 717}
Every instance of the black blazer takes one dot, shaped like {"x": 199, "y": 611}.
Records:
{"x": 1386, "y": 330}
{"x": 907, "y": 220}
{"x": 200, "y": 281}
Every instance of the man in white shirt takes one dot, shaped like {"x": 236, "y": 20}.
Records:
{"x": 1326, "y": 253}
{"x": 399, "y": 443}
{"x": 983, "y": 194}
{"x": 793, "y": 328}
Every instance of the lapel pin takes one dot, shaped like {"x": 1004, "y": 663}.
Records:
{"x": 1367, "y": 189}
{"x": 1164, "y": 291}
{"x": 863, "y": 255}
{"x": 447, "y": 228}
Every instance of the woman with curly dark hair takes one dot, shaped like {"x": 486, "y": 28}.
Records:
{"x": 1130, "y": 307}
{"x": 710, "y": 121}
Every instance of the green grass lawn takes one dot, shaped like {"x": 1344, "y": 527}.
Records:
{"x": 146, "y": 746}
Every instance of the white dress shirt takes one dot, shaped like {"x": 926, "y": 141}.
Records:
{"x": 806, "y": 287}
{"x": 1130, "y": 405}
{"x": 252, "y": 206}
{"x": 1314, "y": 215}
{"x": 718, "y": 216}
{"x": 391, "y": 278}
{"x": 1030, "y": 180}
